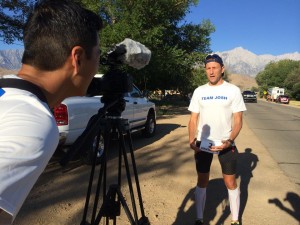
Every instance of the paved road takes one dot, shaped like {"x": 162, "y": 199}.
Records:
{"x": 278, "y": 128}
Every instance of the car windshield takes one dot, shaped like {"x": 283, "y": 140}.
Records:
{"x": 248, "y": 93}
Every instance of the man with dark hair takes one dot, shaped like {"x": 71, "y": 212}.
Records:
{"x": 61, "y": 57}
{"x": 216, "y": 113}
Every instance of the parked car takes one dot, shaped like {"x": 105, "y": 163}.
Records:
{"x": 283, "y": 99}
{"x": 249, "y": 96}
{"x": 74, "y": 113}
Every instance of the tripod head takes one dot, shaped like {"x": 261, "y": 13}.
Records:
{"x": 116, "y": 83}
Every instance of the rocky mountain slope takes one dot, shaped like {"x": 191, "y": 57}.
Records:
{"x": 237, "y": 61}
{"x": 244, "y": 62}
{"x": 11, "y": 59}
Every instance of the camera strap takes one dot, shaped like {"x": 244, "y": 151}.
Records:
{"x": 23, "y": 85}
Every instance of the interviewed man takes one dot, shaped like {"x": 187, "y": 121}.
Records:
{"x": 216, "y": 120}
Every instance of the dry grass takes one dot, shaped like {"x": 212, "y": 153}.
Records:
{"x": 295, "y": 103}
{"x": 242, "y": 81}
{"x": 5, "y": 71}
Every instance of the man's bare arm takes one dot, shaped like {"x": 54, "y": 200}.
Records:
{"x": 237, "y": 125}
{"x": 193, "y": 123}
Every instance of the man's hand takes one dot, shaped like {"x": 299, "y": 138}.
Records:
{"x": 194, "y": 147}
{"x": 277, "y": 202}
{"x": 225, "y": 144}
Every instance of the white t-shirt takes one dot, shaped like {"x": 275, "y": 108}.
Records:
{"x": 28, "y": 139}
{"x": 216, "y": 104}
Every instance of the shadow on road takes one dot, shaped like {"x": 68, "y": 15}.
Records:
{"x": 138, "y": 142}
{"x": 184, "y": 215}
{"x": 247, "y": 162}
{"x": 294, "y": 200}
{"x": 217, "y": 195}
{"x": 67, "y": 190}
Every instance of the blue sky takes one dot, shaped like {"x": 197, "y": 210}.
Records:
{"x": 260, "y": 26}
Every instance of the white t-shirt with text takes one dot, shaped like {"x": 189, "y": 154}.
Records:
{"x": 216, "y": 105}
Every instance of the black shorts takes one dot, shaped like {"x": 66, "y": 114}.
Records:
{"x": 227, "y": 159}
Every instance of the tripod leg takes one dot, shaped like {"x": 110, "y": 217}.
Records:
{"x": 101, "y": 177}
{"x": 120, "y": 166}
{"x": 102, "y": 173}
{"x": 88, "y": 195}
{"x": 125, "y": 206}
{"x": 110, "y": 199}
{"x": 136, "y": 176}
{"x": 122, "y": 144}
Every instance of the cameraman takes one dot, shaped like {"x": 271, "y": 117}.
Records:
{"x": 60, "y": 58}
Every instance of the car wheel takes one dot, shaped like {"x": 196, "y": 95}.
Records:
{"x": 150, "y": 125}
{"x": 91, "y": 148}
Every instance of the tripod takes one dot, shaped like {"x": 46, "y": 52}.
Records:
{"x": 113, "y": 199}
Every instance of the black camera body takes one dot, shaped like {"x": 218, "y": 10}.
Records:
{"x": 113, "y": 84}
{"x": 115, "y": 81}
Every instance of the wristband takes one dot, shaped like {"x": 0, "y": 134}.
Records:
{"x": 230, "y": 141}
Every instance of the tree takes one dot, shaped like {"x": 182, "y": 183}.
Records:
{"x": 158, "y": 24}
{"x": 175, "y": 45}
{"x": 292, "y": 82}
{"x": 284, "y": 73}
{"x": 275, "y": 73}
{"x": 12, "y": 19}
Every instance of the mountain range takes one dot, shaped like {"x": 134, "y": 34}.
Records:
{"x": 237, "y": 61}
{"x": 11, "y": 59}
{"x": 243, "y": 62}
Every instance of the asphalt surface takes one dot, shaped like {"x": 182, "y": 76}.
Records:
{"x": 272, "y": 197}
{"x": 278, "y": 129}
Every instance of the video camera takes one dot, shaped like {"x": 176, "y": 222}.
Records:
{"x": 116, "y": 81}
